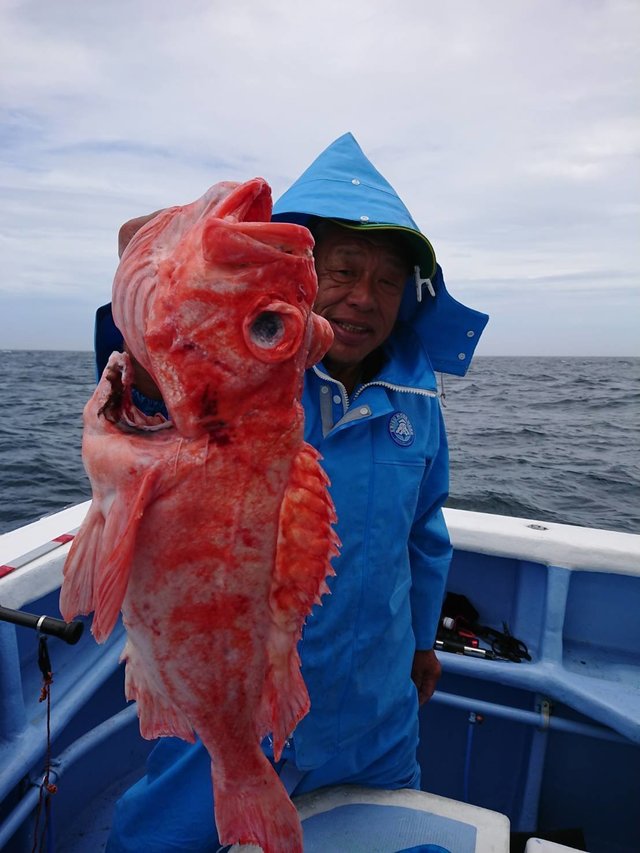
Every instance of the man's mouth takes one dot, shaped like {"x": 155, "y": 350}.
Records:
{"x": 352, "y": 328}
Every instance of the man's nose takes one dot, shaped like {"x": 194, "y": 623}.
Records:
{"x": 362, "y": 292}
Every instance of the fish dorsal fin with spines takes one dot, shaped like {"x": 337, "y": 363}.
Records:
{"x": 306, "y": 544}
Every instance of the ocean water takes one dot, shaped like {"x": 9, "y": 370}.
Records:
{"x": 553, "y": 439}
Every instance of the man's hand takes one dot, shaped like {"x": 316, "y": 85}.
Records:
{"x": 425, "y": 673}
{"x": 141, "y": 379}
{"x": 129, "y": 228}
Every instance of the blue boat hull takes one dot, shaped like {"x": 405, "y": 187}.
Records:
{"x": 553, "y": 744}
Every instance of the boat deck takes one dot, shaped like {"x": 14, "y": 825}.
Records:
{"x": 553, "y": 744}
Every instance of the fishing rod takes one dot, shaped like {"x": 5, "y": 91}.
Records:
{"x": 70, "y": 632}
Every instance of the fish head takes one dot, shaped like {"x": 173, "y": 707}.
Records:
{"x": 215, "y": 301}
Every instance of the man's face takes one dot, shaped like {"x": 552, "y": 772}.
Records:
{"x": 361, "y": 278}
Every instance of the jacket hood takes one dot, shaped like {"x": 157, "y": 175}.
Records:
{"x": 344, "y": 185}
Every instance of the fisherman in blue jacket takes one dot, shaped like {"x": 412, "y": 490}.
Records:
{"x": 372, "y": 410}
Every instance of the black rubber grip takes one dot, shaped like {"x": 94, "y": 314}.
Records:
{"x": 70, "y": 632}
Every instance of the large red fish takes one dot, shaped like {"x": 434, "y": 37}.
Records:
{"x": 212, "y": 531}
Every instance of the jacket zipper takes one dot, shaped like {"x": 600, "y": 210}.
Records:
{"x": 403, "y": 388}
{"x": 345, "y": 397}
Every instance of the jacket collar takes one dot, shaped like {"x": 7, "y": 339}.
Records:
{"x": 407, "y": 367}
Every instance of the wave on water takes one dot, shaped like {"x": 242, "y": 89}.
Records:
{"x": 552, "y": 439}
{"x": 41, "y": 469}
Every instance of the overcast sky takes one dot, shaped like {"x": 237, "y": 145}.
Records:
{"x": 510, "y": 128}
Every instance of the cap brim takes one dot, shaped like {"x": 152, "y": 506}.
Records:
{"x": 423, "y": 253}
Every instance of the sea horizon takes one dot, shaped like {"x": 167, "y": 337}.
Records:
{"x": 476, "y": 356}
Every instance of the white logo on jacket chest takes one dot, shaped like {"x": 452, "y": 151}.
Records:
{"x": 401, "y": 429}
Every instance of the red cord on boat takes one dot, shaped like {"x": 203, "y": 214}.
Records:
{"x": 47, "y": 788}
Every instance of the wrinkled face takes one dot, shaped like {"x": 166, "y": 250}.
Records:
{"x": 361, "y": 279}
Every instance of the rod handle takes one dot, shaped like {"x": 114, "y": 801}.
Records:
{"x": 70, "y": 632}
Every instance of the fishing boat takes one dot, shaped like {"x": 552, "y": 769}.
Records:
{"x": 539, "y": 748}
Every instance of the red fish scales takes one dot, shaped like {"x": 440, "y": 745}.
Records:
{"x": 195, "y": 528}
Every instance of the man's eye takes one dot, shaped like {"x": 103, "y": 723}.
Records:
{"x": 342, "y": 276}
{"x": 391, "y": 284}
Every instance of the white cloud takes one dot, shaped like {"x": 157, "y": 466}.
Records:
{"x": 509, "y": 129}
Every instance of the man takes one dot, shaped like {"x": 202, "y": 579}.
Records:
{"x": 372, "y": 410}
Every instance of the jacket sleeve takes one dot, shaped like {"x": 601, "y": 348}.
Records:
{"x": 429, "y": 545}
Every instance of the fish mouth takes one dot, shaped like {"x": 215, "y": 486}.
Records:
{"x": 252, "y": 244}
{"x": 248, "y": 202}
{"x": 284, "y": 237}
{"x": 251, "y": 236}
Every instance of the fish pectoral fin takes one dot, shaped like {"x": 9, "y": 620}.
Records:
{"x": 121, "y": 527}
{"x": 306, "y": 544}
{"x": 76, "y": 594}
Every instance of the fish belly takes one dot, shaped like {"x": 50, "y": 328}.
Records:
{"x": 199, "y": 628}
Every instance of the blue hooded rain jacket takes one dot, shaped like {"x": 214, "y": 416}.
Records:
{"x": 385, "y": 451}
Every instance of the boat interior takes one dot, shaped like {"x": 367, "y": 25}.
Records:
{"x": 514, "y": 750}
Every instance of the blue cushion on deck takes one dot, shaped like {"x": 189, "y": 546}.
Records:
{"x": 425, "y": 848}
{"x": 375, "y": 828}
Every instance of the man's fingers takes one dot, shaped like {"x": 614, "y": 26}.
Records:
{"x": 425, "y": 672}
{"x": 131, "y": 227}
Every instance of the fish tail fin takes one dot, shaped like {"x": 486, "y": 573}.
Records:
{"x": 257, "y": 810}
{"x": 78, "y": 586}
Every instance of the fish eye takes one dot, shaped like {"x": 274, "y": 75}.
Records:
{"x": 267, "y": 329}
